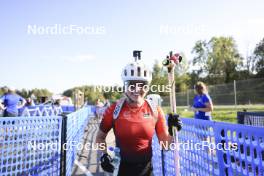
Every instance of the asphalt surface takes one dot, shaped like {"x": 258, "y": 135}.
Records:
{"x": 88, "y": 161}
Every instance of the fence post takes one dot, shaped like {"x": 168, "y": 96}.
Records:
{"x": 240, "y": 117}
{"x": 188, "y": 98}
{"x": 63, "y": 141}
{"x": 235, "y": 96}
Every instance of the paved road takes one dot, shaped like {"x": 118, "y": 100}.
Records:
{"x": 89, "y": 159}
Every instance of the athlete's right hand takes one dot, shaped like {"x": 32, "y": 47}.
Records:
{"x": 106, "y": 163}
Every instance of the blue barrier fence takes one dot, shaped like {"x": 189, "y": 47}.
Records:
{"x": 75, "y": 126}
{"x": 68, "y": 108}
{"x": 44, "y": 110}
{"x": 234, "y": 150}
{"x": 34, "y": 145}
{"x": 19, "y": 136}
{"x": 25, "y": 145}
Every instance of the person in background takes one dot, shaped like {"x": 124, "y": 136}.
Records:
{"x": 99, "y": 103}
{"x": 107, "y": 103}
{"x": 202, "y": 102}
{"x": 99, "y": 109}
{"x": 10, "y": 102}
{"x": 57, "y": 102}
{"x": 30, "y": 102}
{"x": 5, "y": 91}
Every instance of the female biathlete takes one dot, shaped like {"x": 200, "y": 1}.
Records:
{"x": 134, "y": 121}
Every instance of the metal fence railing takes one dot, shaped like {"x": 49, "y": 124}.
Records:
{"x": 251, "y": 118}
{"x": 242, "y": 92}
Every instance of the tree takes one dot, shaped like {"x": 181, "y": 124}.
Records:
{"x": 182, "y": 77}
{"x": 258, "y": 59}
{"x": 199, "y": 61}
{"x": 2, "y": 91}
{"x": 194, "y": 78}
{"x": 112, "y": 93}
{"x": 159, "y": 78}
{"x": 217, "y": 60}
{"x": 23, "y": 92}
{"x": 39, "y": 93}
{"x": 92, "y": 93}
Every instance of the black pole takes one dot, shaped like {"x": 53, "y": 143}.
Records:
{"x": 240, "y": 117}
{"x": 162, "y": 162}
{"x": 63, "y": 141}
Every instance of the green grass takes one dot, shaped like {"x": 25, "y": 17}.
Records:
{"x": 220, "y": 113}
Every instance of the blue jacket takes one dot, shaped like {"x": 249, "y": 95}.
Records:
{"x": 199, "y": 102}
{"x": 11, "y": 101}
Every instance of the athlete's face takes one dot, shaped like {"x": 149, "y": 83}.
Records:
{"x": 136, "y": 90}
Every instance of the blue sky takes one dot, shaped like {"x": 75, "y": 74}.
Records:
{"x": 59, "y": 62}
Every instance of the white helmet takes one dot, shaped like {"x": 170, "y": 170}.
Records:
{"x": 136, "y": 71}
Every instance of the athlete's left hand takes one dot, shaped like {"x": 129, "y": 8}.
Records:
{"x": 174, "y": 121}
{"x": 106, "y": 163}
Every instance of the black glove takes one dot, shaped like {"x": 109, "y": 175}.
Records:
{"x": 106, "y": 163}
{"x": 174, "y": 121}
